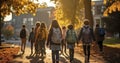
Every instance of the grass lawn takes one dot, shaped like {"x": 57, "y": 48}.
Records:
{"x": 112, "y": 42}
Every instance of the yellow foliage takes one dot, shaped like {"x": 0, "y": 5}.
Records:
{"x": 69, "y": 12}
{"x": 18, "y": 7}
{"x": 115, "y": 6}
{"x": 104, "y": 1}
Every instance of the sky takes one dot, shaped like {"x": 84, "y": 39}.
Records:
{"x": 49, "y": 3}
{"x": 97, "y": 0}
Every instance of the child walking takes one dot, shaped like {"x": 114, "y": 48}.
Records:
{"x": 71, "y": 39}
{"x": 54, "y": 40}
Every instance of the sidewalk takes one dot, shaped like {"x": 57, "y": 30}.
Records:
{"x": 26, "y": 58}
{"x": 108, "y": 57}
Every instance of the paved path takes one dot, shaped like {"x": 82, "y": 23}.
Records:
{"x": 26, "y": 58}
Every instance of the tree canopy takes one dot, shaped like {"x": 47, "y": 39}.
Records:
{"x": 69, "y": 12}
{"x": 112, "y": 14}
{"x": 111, "y": 6}
{"x": 18, "y": 7}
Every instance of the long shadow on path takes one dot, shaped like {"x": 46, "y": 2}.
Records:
{"x": 63, "y": 60}
{"x": 36, "y": 59}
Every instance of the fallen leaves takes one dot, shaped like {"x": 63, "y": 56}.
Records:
{"x": 6, "y": 54}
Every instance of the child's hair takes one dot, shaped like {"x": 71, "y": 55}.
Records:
{"x": 63, "y": 27}
{"x": 70, "y": 26}
{"x": 86, "y": 21}
{"x": 43, "y": 25}
{"x": 37, "y": 24}
{"x": 32, "y": 28}
{"x": 55, "y": 24}
{"x": 23, "y": 26}
{"x": 97, "y": 25}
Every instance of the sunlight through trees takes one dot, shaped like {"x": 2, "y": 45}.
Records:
{"x": 69, "y": 12}
{"x": 112, "y": 6}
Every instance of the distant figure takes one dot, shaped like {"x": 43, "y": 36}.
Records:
{"x": 23, "y": 34}
{"x": 42, "y": 36}
{"x": 54, "y": 40}
{"x": 71, "y": 39}
{"x": 99, "y": 34}
{"x": 31, "y": 39}
{"x": 87, "y": 36}
{"x": 63, "y": 39}
{"x": 37, "y": 44}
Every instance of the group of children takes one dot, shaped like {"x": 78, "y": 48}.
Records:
{"x": 57, "y": 37}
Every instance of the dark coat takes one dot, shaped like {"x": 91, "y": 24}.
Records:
{"x": 92, "y": 37}
{"x": 97, "y": 36}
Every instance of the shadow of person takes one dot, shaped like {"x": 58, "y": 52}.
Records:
{"x": 30, "y": 56}
{"x": 37, "y": 59}
{"x": 76, "y": 61}
{"x": 63, "y": 60}
{"x": 65, "y": 55}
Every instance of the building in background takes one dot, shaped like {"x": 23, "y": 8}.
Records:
{"x": 42, "y": 15}
{"x": 98, "y": 8}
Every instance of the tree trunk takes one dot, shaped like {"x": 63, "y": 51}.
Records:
{"x": 1, "y": 25}
{"x": 0, "y": 33}
{"x": 88, "y": 11}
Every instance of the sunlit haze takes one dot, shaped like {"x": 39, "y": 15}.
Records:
{"x": 97, "y": 0}
{"x": 8, "y": 17}
{"x": 49, "y": 3}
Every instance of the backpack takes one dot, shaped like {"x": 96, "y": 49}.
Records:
{"x": 23, "y": 33}
{"x": 56, "y": 36}
{"x": 86, "y": 34}
{"x": 71, "y": 36}
{"x": 101, "y": 32}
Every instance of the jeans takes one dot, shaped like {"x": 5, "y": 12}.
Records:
{"x": 86, "y": 49}
{"x": 71, "y": 53}
{"x": 31, "y": 46}
{"x": 43, "y": 47}
{"x": 100, "y": 45}
{"x": 23, "y": 44}
{"x": 37, "y": 48}
{"x": 55, "y": 56}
